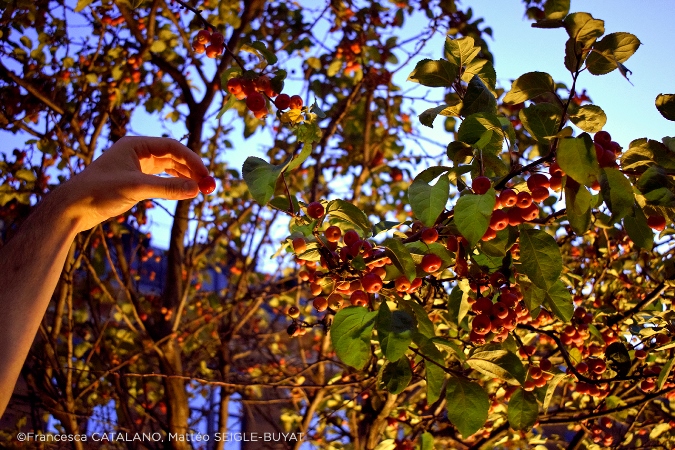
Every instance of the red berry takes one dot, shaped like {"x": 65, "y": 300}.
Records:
{"x": 429, "y": 235}
{"x": 396, "y": 174}
{"x": 477, "y": 339}
{"x": 217, "y": 39}
{"x": 556, "y": 183}
{"x": 332, "y": 233}
{"x": 481, "y": 324}
{"x": 508, "y": 198}
{"x": 402, "y": 284}
{"x": 555, "y": 170}
{"x": 489, "y": 235}
{"x": 416, "y": 283}
{"x": 359, "y": 298}
{"x": 607, "y": 159}
{"x": 481, "y": 185}
{"x": 234, "y": 86}
{"x": 320, "y": 304}
{"x": 482, "y": 305}
{"x": 248, "y": 86}
{"x": 283, "y": 101}
{"x": 213, "y": 51}
{"x": 603, "y": 138}
{"x": 371, "y": 283}
{"x": 207, "y": 185}
{"x": 539, "y": 194}
{"x": 499, "y": 220}
{"x": 315, "y": 210}
{"x": 351, "y": 237}
{"x": 647, "y": 385}
{"x": 545, "y": 364}
{"x": 536, "y": 180}
{"x": 500, "y": 310}
{"x": 452, "y": 244}
{"x": 524, "y": 200}
{"x": 656, "y": 222}
{"x": 295, "y": 102}
{"x": 299, "y": 245}
{"x": 431, "y": 263}
{"x": 203, "y": 36}
{"x": 255, "y": 102}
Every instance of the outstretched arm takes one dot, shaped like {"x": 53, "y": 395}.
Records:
{"x": 32, "y": 261}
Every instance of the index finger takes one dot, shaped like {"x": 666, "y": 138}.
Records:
{"x": 157, "y": 147}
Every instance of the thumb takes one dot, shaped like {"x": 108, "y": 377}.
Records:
{"x": 173, "y": 188}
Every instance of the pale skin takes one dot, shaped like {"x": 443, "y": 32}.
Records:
{"x": 32, "y": 261}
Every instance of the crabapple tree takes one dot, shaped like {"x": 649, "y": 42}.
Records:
{"x": 508, "y": 285}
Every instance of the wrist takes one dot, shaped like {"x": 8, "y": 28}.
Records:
{"x": 63, "y": 207}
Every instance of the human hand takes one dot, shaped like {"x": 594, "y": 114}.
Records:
{"x": 125, "y": 174}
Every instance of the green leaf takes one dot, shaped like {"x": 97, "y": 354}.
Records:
{"x": 424, "y": 325}
{"x": 438, "y": 73}
{"x": 462, "y": 51}
{"x": 617, "y": 192}
{"x": 447, "y": 109}
{"x": 478, "y": 99}
{"x": 541, "y": 121}
{"x": 645, "y": 152}
{"x": 348, "y": 212}
{"x": 540, "y": 257}
{"x": 638, "y": 230}
{"x": 302, "y": 156}
{"x": 498, "y": 364}
{"x": 396, "y": 375}
{"x": 435, "y": 375}
{"x": 583, "y": 28}
{"x": 231, "y": 100}
{"x": 550, "y": 389}
{"x": 589, "y": 118}
{"x": 529, "y": 86}
{"x": 473, "y": 128}
{"x": 261, "y": 178}
{"x": 350, "y": 335}
{"x": 468, "y": 405}
{"x": 277, "y": 82}
{"x": 394, "y": 331}
{"x": 523, "y": 410}
{"x": 532, "y": 295}
{"x": 556, "y": 9}
{"x": 609, "y": 51}
{"x": 451, "y": 345}
{"x": 665, "y": 372}
{"x": 427, "y": 201}
{"x": 559, "y": 301}
{"x": 269, "y": 55}
{"x": 484, "y": 70}
{"x": 578, "y": 207}
{"x": 458, "y": 305}
{"x": 576, "y": 157}
{"x": 387, "y": 225}
{"x": 426, "y": 441}
{"x": 665, "y": 103}
{"x": 472, "y": 215}
{"x": 400, "y": 257}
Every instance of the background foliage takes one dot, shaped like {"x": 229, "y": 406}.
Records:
{"x": 137, "y": 339}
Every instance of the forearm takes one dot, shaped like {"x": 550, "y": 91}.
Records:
{"x": 30, "y": 267}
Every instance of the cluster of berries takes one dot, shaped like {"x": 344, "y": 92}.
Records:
{"x": 494, "y": 321}
{"x": 213, "y": 44}
{"x": 334, "y": 291}
{"x": 513, "y": 208}
{"x": 254, "y": 92}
